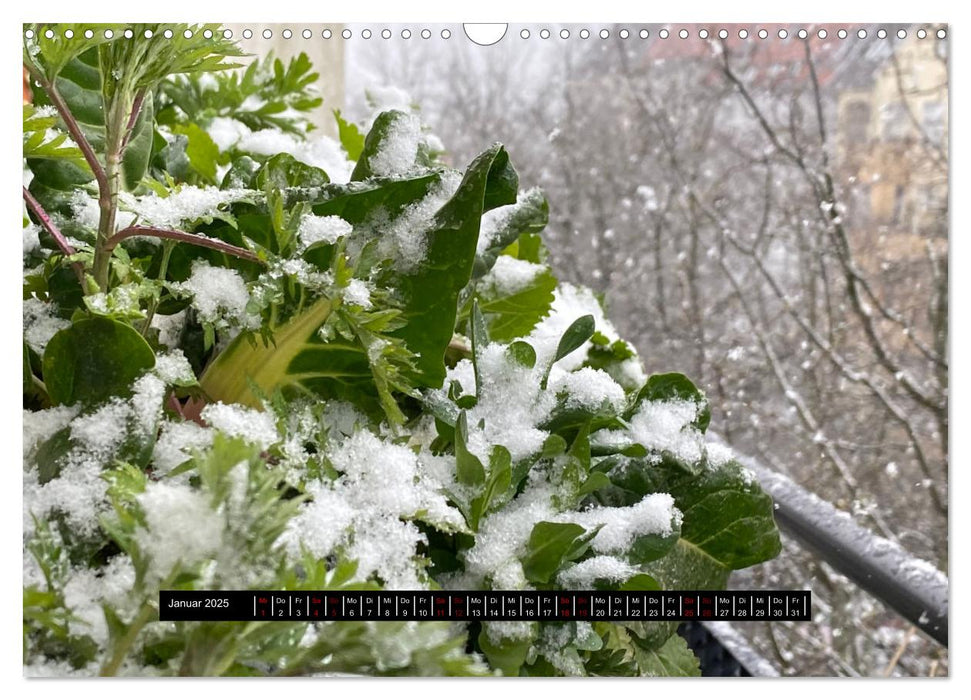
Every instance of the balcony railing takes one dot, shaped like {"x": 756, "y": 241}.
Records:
{"x": 911, "y": 587}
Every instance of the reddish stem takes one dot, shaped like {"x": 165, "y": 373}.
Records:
{"x": 183, "y": 237}
{"x": 136, "y": 107}
{"x": 45, "y": 221}
{"x": 174, "y": 404}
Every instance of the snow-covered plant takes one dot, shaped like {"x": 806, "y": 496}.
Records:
{"x": 259, "y": 358}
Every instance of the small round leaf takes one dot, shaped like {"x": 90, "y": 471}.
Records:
{"x": 94, "y": 360}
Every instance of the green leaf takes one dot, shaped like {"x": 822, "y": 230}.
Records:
{"x": 242, "y": 174}
{"x": 95, "y": 360}
{"x": 142, "y": 62}
{"x": 594, "y": 482}
{"x": 727, "y": 521}
{"x": 116, "y": 627}
{"x": 433, "y": 651}
{"x": 614, "y": 358}
{"x": 515, "y": 315}
{"x": 43, "y": 139}
{"x": 350, "y": 136}
{"x": 523, "y": 353}
{"x": 265, "y": 95}
{"x": 530, "y": 248}
{"x": 51, "y": 456}
{"x": 673, "y": 658}
{"x": 578, "y": 465}
{"x": 355, "y": 202}
{"x": 507, "y": 656}
{"x": 529, "y": 215}
{"x": 468, "y": 468}
{"x": 553, "y": 446}
{"x": 726, "y": 515}
{"x": 283, "y": 171}
{"x": 576, "y": 335}
{"x": 648, "y": 548}
{"x": 566, "y": 416}
{"x": 640, "y": 582}
{"x": 54, "y": 53}
{"x": 502, "y": 183}
{"x": 172, "y": 161}
{"x": 432, "y": 290}
{"x": 54, "y": 185}
{"x": 382, "y": 135}
{"x": 27, "y": 373}
{"x": 138, "y": 150}
{"x": 581, "y": 545}
{"x": 573, "y": 337}
{"x": 423, "y": 327}
{"x": 201, "y": 150}
{"x": 363, "y": 366}
{"x": 549, "y": 543}
{"x": 480, "y": 339}
{"x": 496, "y": 485}
{"x": 79, "y": 84}
{"x": 674, "y": 387}
{"x": 610, "y": 662}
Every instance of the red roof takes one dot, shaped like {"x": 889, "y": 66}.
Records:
{"x": 768, "y": 60}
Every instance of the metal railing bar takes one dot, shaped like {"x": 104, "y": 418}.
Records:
{"x": 914, "y": 588}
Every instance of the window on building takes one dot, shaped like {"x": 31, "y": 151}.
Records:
{"x": 893, "y": 122}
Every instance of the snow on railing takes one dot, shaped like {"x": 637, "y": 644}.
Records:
{"x": 914, "y": 588}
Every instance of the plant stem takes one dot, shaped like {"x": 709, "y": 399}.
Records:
{"x": 162, "y": 270}
{"x": 145, "y": 615}
{"x": 458, "y": 345}
{"x": 901, "y": 648}
{"x": 44, "y": 398}
{"x": 135, "y": 109}
{"x": 108, "y": 175}
{"x": 45, "y": 220}
{"x": 116, "y": 123}
{"x": 183, "y": 237}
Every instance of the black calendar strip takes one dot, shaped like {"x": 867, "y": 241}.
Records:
{"x": 547, "y": 606}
